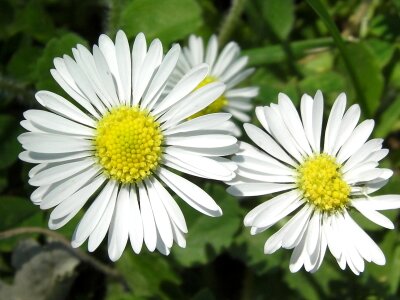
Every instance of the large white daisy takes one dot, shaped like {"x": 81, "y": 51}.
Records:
{"x": 227, "y": 67}
{"x": 319, "y": 185}
{"x": 118, "y": 142}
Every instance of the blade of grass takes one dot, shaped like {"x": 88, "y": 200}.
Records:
{"x": 322, "y": 12}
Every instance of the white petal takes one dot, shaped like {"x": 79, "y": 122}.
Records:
{"x": 78, "y": 199}
{"x": 260, "y": 113}
{"x": 334, "y": 120}
{"x": 53, "y": 143}
{"x": 35, "y": 157}
{"x": 200, "y": 123}
{"x": 107, "y": 48}
{"x": 265, "y": 142}
{"x": 212, "y": 51}
{"x": 65, "y": 188}
{"x": 93, "y": 215}
{"x": 149, "y": 225}
{"x": 373, "y": 215}
{"x": 262, "y": 166}
{"x": 185, "y": 85}
{"x": 190, "y": 193}
{"x": 201, "y": 140}
{"x": 170, "y": 205}
{"x": 193, "y": 103}
{"x": 56, "y": 124}
{"x": 150, "y": 64}
{"x": 100, "y": 231}
{"x": 227, "y": 55}
{"x": 256, "y": 189}
{"x": 161, "y": 216}
{"x": 356, "y": 140}
{"x": 161, "y": 77}
{"x": 136, "y": 224}
{"x": 367, "y": 149}
{"x": 270, "y": 216}
{"x": 60, "y": 172}
{"x": 123, "y": 56}
{"x": 63, "y": 107}
{"x": 293, "y": 122}
{"x": 317, "y": 115}
{"x": 347, "y": 126}
{"x": 383, "y": 202}
{"x": 118, "y": 231}
{"x": 139, "y": 50}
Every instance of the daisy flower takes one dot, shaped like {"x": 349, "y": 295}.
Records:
{"x": 320, "y": 186}
{"x": 227, "y": 67}
{"x": 118, "y": 141}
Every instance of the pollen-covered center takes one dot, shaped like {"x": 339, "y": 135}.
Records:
{"x": 321, "y": 181}
{"x": 128, "y": 144}
{"x": 214, "y": 107}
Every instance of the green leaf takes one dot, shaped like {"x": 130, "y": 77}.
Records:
{"x": 15, "y": 210}
{"x": 276, "y": 54}
{"x": 352, "y": 65}
{"x": 331, "y": 83}
{"x": 23, "y": 62}
{"x": 250, "y": 250}
{"x": 382, "y": 51}
{"x": 279, "y": 14}
{"x": 368, "y": 73}
{"x": 207, "y": 236}
{"x": 146, "y": 274}
{"x": 56, "y": 47}
{"x": 33, "y": 20}
{"x": 300, "y": 282}
{"x": 168, "y": 20}
{"x": 9, "y": 130}
{"x": 388, "y": 119}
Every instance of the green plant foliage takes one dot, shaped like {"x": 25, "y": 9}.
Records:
{"x": 167, "y": 20}
{"x": 296, "y": 47}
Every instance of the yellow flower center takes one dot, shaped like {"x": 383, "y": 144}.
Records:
{"x": 321, "y": 181}
{"x": 214, "y": 107}
{"x": 128, "y": 144}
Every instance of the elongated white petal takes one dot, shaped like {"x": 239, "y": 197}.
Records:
{"x": 149, "y": 225}
{"x": 136, "y": 232}
{"x": 53, "y": 143}
{"x": 60, "y": 172}
{"x": 334, "y": 121}
{"x": 118, "y": 231}
{"x": 93, "y": 215}
{"x": 100, "y": 231}
{"x": 265, "y": 142}
{"x": 256, "y": 189}
{"x": 190, "y": 193}
{"x": 373, "y": 215}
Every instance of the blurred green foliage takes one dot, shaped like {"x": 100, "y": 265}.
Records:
{"x": 297, "y": 47}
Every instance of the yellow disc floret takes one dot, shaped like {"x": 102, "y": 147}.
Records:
{"x": 214, "y": 107}
{"x": 321, "y": 181}
{"x": 128, "y": 144}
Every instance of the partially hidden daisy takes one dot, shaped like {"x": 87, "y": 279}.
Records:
{"x": 320, "y": 184}
{"x": 119, "y": 142}
{"x": 227, "y": 67}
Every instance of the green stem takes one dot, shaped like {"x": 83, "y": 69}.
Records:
{"x": 230, "y": 21}
{"x": 322, "y": 12}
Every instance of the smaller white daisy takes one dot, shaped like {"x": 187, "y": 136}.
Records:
{"x": 227, "y": 67}
{"x": 120, "y": 142}
{"x": 321, "y": 186}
